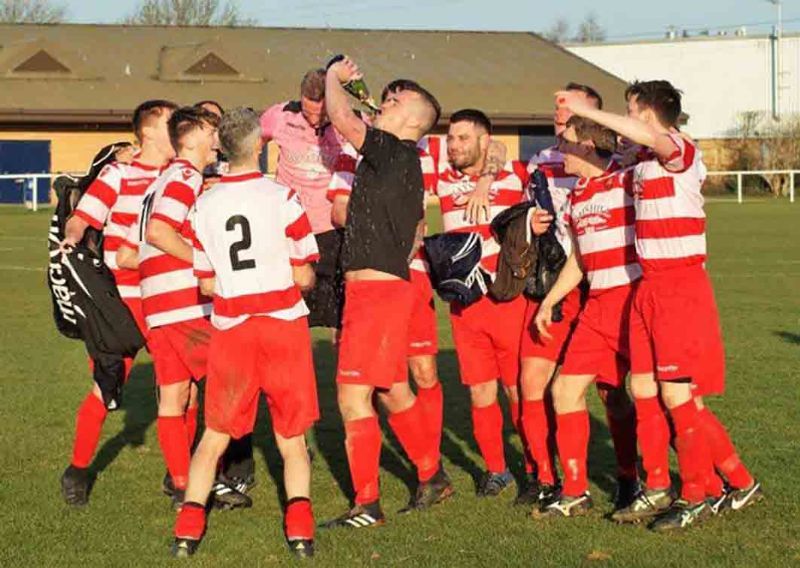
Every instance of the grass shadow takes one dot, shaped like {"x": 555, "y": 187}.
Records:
{"x": 788, "y": 336}
{"x": 140, "y": 407}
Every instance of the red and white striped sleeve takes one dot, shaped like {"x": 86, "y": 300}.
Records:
{"x": 344, "y": 171}
{"x": 95, "y": 205}
{"x": 302, "y": 244}
{"x": 179, "y": 196}
{"x": 682, "y": 158}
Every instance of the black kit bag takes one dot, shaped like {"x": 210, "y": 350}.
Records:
{"x": 454, "y": 261}
{"x": 86, "y": 302}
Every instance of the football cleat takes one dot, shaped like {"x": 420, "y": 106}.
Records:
{"x": 184, "y": 547}
{"x": 719, "y": 504}
{"x": 359, "y": 517}
{"x": 227, "y": 497}
{"x": 177, "y": 498}
{"x": 565, "y": 506}
{"x": 647, "y": 504}
{"x": 75, "y": 485}
{"x": 167, "y": 486}
{"x": 740, "y": 498}
{"x": 435, "y": 490}
{"x": 681, "y": 515}
{"x": 529, "y": 494}
{"x": 493, "y": 484}
{"x": 627, "y": 492}
{"x": 301, "y": 547}
{"x": 549, "y": 493}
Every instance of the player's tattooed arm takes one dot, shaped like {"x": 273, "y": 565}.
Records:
{"x": 478, "y": 203}
{"x": 337, "y": 102}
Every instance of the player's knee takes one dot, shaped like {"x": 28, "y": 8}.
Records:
{"x": 644, "y": 386}
{"x": 568, "y": 395}
{"x": 675, "y": 393}
{"x": 173, "y": 399}
{"x": 423, "y": 369}
{"x": 292, "y": 448}
{"x": 535, "y": 377}
{"x": 483, "y": 394}
{"x": 354, "y": 403}
{"x": 212, "y": 445}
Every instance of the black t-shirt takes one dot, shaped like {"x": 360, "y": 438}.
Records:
{"x": 385, "y": 205}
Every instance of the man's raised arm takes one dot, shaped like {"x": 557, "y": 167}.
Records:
{"x": 337, "y": 102}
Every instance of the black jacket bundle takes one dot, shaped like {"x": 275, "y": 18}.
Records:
{"x": 455, "y": 267}
{"x": 539, "y": 264}
{"x": 86, "y": 302}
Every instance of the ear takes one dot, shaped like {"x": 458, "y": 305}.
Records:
{"x": 483, "y": 142}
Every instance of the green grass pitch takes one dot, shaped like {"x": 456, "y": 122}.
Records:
{"x": 755, "y": 266}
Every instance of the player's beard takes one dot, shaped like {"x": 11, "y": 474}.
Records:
{"x": 466, "y": 158}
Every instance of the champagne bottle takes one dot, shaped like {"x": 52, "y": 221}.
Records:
{"x": 357, "y": 87}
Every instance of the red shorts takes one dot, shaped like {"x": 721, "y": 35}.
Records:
{"x": 599, "y": 343}
{"x": 267, "y": 355}
{"x": 487, "y": 337}
{"x": 533, "y": 345}
{"x": 675, "y": 331}
{"x": 375, "y": 327}
{"x": 180, "y": 350}
{"x": 422, "y": 333}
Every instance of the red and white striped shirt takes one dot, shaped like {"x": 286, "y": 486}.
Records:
{"x": 249, "y": 232}
{"x": 601, "y": 215}
{"x": 112, "y": 204}
{"x": 454, "y": 189}
{"x": 344, "y": 170}
{"x": 670, "y": 221}
{"x": 170, "y": 291}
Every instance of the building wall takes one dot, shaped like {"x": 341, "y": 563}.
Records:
{"x": 720, "y": 77}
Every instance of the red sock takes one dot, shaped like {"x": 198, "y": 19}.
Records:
{"x": 298, "y": 520}
{"x": 432, "y": 402}
{"x": 622, "y": 426}
{"x": 363, "y": 446}
{"x": 724, "y": 455}
{"x": 175, "y": 447}
{"x": 694, "y": 459}
{"x": 191, "y": 425}
{"x": 88, "y": 425}
{"x": 652, "y": 430}
{"x": 191, "y": 521}
{"x": 414, "y": 435}
{"x": 538, "y": 433}
{"x": 487, "y": 427}
{"x": 572, "y": 434}
{"x": 518, "y": 426}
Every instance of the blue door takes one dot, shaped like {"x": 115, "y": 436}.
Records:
{"x": 24, "y": 157}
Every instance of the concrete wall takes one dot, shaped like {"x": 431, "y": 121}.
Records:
{"x": 719, "y": 77}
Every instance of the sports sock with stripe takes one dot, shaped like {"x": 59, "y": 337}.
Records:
{"x": 432, "y": 401}
{"x": 723, "y": 453}
{"x": 516, "y": 420}
{"x": 363, "y": 446}
{"x": 538, "y": 433}
{"x": 88, "y": 425}
{"x": 298, "y": 519}
{"x": 653, "y": 433}
{"x": 413, "y": 434}
{"x": 191, "y": 521}
{"x": 572, "y": 434}
{"x": 694, "y": 459}
{"x": 174, "y": 444}
{"x": 487, "y": 427}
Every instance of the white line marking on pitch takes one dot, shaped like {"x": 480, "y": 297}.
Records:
{"x": 23, "y": 268}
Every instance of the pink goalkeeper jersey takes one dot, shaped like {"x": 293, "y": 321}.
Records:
{"x": 306, "y": 158}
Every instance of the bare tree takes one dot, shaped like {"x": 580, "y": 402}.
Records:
{"x": 31, "y": 12}
{"x": 187, "y": 13}
{"x": 558, "y": 32}
{"x": 590, "y": 30}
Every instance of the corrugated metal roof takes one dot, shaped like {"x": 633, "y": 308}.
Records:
{"x": 511, "y": 76}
